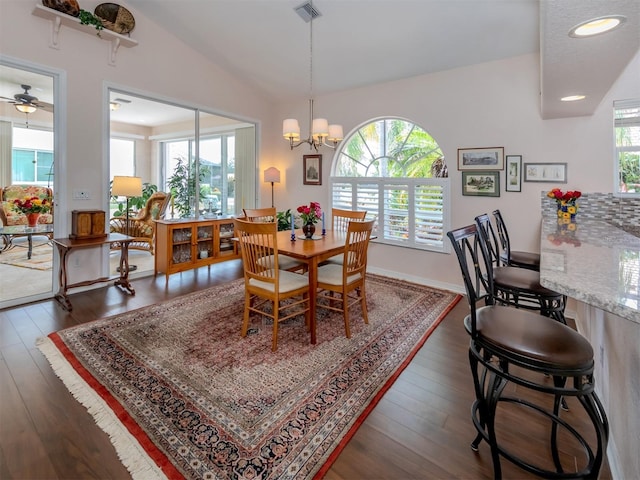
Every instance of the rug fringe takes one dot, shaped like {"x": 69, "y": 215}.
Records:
{"x": 129, "y": 451}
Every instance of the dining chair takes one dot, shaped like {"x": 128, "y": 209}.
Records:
{"x": 514, "y": 258}
{"x": 347, "y": 279}
{"x": 531, "y": 352}
{"x": 266, "y": 285}
{"x": 341, "y": 219}
{"x": 268, "y": 214}
{"x": 519, "y": 287}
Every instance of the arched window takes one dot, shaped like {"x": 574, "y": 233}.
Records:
{"x": 396, "y": 171}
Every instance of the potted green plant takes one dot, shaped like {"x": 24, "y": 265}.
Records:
{"x": 183, "y": 185}
{"x": 284, "y": 220}
{"x": 88, "y": 18}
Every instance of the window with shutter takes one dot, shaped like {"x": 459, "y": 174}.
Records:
{"x": 627, "y": 137}
{"x": 395, "y": 171}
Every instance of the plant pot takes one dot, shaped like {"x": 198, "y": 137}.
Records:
{"x": 308, "y": 229}
{"x": 32, "y": 219}
{"x": 567, "y": 211}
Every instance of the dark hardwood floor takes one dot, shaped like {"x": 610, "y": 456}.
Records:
{"x": 420, "y": 429}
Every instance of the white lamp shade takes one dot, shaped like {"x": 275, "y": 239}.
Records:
{"x": 335, "y": 133}
{"x": 126, "y": 186}
{"x": 290, "y": 128}
{"x": 320, "y": 127}
{"x": 272, "y": 174}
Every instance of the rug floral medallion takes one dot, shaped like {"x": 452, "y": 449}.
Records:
{"x": 203, "y": 402}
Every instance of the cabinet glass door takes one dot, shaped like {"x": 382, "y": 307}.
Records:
{"x": 226, "y": 238}
{"x": 181, "y": 241}
{"x": 205, "y": 241}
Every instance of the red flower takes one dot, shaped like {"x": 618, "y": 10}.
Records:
{"x": 311, "y": 213}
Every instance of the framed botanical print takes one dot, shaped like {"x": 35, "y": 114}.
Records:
{"x": 513, "y": 170}
{"x": 312, "y": 165}
{"x": 481, "y": 184}
{"x": 545, "y": 172}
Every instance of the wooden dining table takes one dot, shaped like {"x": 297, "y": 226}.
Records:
{"x": 312, "y": 252}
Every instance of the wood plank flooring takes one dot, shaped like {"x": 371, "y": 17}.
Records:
{"x": 420, "y": 429}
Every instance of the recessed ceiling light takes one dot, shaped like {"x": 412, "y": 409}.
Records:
{"x": 573, "y": 98}
{"x": 596, "y": 26}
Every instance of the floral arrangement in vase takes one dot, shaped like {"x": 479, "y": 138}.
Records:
{"x": 311, "y": 213}
{"x": 566, "y": 202}
{"x": 32, "y": 207}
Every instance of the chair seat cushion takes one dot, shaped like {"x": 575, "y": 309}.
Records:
{"x": 549, "y": 343}
{"x": 514, "y": 278}
{"x": 523, "y": 258}
{"x": 289, "y": 282}
{"x": 331, "y": 274}
{"x": 284, "y": 262}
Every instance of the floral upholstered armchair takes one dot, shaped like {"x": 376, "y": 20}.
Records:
{"x": 142, "y": 226}
{"x": 10, "y": 215}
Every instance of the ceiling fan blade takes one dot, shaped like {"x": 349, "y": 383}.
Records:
{"x": 47, "y": 107}
{"x": 10, "y": 100}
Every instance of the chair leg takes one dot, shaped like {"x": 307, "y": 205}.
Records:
{"x": 276, "y": 312}
{"x": 345, "y": 313}
{"x": 363, "y": 304}
{"x": 245, "y": 321}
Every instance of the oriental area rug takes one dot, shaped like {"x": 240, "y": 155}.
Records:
{"x": 183, "y": 395}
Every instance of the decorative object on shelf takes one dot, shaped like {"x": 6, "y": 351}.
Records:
{"x": 32, "y": 207}
{"x": 70, "y": 7}
{"x": 88, "y": 18}
{"x": 319, "y": 129}
{"x": 115, "y": 17}
{"x": 309, "y": 215}
{"x": 566, "y": 203}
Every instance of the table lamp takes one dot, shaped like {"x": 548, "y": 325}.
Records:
{"x": 272, "y": 175}
{"x": 127, "y": 187}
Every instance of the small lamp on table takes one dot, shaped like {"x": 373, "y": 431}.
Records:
{"x": 127, "y": 187}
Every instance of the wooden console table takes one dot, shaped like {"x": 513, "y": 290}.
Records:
{"x": 65, "y": 245}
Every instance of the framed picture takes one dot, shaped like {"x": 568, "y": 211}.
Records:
{"x": 481, "y": 184}
{"x": 312, "y": 165}
{"x": 513, "y": 169}
{"x": 481, "y": 158}
{"x": 545, "y": 172}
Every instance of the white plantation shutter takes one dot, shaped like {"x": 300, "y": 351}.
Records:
{"x": 411, "y": 213}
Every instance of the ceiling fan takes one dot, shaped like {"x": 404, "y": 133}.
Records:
{"x": 26, "y": 103}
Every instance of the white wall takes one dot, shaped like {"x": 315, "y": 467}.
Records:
{"x": 159, "y": 65}
{"x": 486, "y": 105}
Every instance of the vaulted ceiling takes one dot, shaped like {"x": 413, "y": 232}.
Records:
{"x": 362, "y": 42}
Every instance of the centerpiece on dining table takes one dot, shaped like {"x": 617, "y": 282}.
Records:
{"x": 566, "y": 203}
{"x": 310, "y": 215}
{"x": 32, "y": 207}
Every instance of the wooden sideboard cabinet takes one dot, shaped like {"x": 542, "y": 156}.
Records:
{"x": 184, "y": 244}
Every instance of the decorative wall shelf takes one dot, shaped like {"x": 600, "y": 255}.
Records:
{"x": 58, "y": 19}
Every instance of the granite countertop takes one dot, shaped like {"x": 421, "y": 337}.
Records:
{"x": 594, "y": 262}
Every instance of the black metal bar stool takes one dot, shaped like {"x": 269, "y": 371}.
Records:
{"x": 507, "y": 345}
{"x": 519, "y": 287}
{"x": 514, "y": 258}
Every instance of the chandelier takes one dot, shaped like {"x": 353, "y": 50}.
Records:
{"x": 320, "y": 132}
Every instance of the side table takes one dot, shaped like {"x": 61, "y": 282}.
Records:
{"x": 66, "y": 245}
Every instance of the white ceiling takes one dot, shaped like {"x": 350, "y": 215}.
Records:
{"x": 362, "y": 42}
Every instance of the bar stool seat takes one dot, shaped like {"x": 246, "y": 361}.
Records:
{"x": 514, "y": 346}
{"x": 514, "y": 258}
